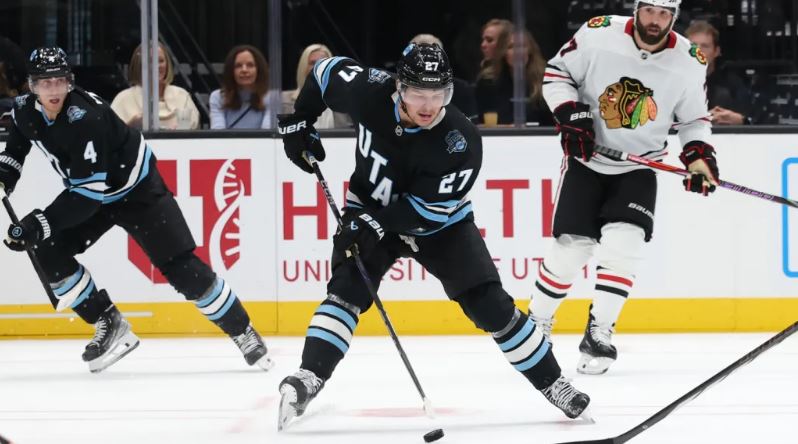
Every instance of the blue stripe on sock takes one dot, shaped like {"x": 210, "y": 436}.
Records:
{"x": 338, "y": 313}
{"x": 328, "y": 337}
{"x": 217, "y": 290}
{"x": 83, "y": 296}
{"x": 521, "y": 335}
{"x": 225, "y": 307}
{"x": 534, "y": 359}
{"x": 70, "y": 283}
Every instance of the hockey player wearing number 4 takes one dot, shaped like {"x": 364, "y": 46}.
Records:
{"x": 111, "y": 178}
{"x": 415, "y": 161}
{"x": 619, "y": 82}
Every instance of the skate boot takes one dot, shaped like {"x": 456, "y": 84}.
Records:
{"x": 597, "y": 351}
{"x": 545, "y": 324}
{"x": 296, "y": 392}
{"x": 112, "y": 340}
{"x": 251, "y": 345}
{"x": 565, "y": 397}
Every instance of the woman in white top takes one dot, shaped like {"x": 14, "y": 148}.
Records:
{"x": 309, "y": 57}
{"x": 243, "y": 101}
{"x": 176, "y": 110}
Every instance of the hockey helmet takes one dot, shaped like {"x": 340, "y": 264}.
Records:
{"x": 48, "y": 62}
{"x": 425, "y": 66}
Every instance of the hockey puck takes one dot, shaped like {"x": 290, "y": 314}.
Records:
{"x": 433, "y": 435}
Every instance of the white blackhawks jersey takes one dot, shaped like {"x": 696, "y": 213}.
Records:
{"x": 636, "y": 96}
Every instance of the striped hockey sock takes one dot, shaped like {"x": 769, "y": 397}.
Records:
{"x": 612, "y": 290}
{"x": 221, "y": 306}
{"x": 549, "y": 292}
{"x": 329, "y": 335}
{"x": 524, "y": 345}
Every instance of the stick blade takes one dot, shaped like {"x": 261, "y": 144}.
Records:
{"x": 595, "y": 441}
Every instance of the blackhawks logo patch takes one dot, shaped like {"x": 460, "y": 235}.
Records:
{"x": 627, "y": 103}
{"x": 599, "y": 22}
{"x": 696, "y": 52}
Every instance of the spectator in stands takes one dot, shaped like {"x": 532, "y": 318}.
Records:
{"x": 15, "y": 63}
{"x": 463, "y": 97}
{"x": 729, "y": 97}
{"x": 309, "y": 57}
{"x": 243, "y": 101}
{"x": 176, "y": 110}
{"x": 494, "y": 88}
{"x": 6, "y": 99}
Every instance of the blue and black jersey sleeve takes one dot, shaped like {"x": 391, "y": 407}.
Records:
{"x": 336, "y": 83}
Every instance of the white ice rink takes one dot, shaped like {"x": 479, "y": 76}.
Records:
{"x": 200, "y": 391}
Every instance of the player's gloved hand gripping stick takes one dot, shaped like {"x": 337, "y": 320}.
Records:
{"x": 311, "y": 160}
{"x": 620, "y": 155}
{"x": 32, "y": 255}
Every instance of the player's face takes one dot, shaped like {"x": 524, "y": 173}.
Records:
{"x": 423, "y": 105}
{"x": 245, "y": 70}
{"x": 512, "y": 48}
{"x": 653, "y": 23}
{"x": 705, "y": 41}
{"x": 490, "y": 38}
{"x": 314, "y": 57}
{"x": 51, "y": 92}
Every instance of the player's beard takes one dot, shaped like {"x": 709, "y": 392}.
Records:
{"x": 646, "y": 34}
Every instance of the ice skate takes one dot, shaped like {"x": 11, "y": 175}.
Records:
{"x": 597, "y": 351}
{"x": 565, "y": 397}
{"x": 296, "y": 392}
{"x": 254, "y": 349}
{"x": 545, "y": 324}
{"x": 112, "y": 341}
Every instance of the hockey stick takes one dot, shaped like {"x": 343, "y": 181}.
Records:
{"x": 692, "y": 394}
{"x": 620, "y": 155}
{"x": 364, "y": 274}
{"x": 29, "y": 249}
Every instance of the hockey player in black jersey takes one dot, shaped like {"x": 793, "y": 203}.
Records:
{"x": 111, "y": 179}
{"x": 415, "y": 161}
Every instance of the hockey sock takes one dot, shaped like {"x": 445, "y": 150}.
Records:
{"x": 328, "y": 337}
{"x": 221, "y": 306}
{"x": 80, "y": 292}
{"x": 612, "y": 289}
{"x": 524, "y": 345}
{"x": 549, "y": 292}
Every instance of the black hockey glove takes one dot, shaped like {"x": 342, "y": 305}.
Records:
{"x": 699, "y": 158}
{"x": 299, "y": 136}
{"x": 359, "y": 232}
{"x": 9, "y": 173}
{"x": 30, "y": 230}
{"x": 574, "y": 122}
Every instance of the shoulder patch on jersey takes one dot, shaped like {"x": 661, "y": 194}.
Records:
{"x": 378, "y": 75}
{"x": 74, "y": 114}
{"x": 21, "y": 100}
{"x": 627, "y": 103}
{"x": 696, "y": 52}
{"x": 456, "y": 142}
{"x": 601, "y": 21}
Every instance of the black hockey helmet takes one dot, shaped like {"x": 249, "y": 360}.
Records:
{"x": 425, "y": 66}
{"x": 48, "y": 61}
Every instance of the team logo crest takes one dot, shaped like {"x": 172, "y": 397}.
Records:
{"x": 627, "y": 104}
{"x": 599, "y": 22}
{"x": 456, "y": 142}
{"x": 378, "y": 76}
{"x": 21, "y": 100}
{"x": 696, "y": 52}
{"x": 74, "y": 113}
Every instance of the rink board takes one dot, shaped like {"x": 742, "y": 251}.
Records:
{"x": 724, "y": 263}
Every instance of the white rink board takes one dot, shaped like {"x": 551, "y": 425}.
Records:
{"x": 727, "y": 245}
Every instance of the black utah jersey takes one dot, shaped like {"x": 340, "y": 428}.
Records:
{"x": 99, "y": 158}
{"x": 415, "y": 179}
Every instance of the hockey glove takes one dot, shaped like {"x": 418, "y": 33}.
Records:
{"x": 359, "y": 233}
{"x": 9, "y": 173}
{"x": 699, "y": 158}
{"x": 300, "y": 136}
{"x": 30, "y": 230}
{"x": 575, "y": 125}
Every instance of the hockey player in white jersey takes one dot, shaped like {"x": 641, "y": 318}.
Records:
{"x": 622, "y": 82}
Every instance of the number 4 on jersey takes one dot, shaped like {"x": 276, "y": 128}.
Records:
{"x": 89, "y": 153}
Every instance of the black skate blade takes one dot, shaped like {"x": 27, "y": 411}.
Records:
{"x": 114, "y": 359}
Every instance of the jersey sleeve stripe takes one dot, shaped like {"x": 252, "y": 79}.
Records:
{"x": 456, "y": 217}
{"x": 426, "y": 213}
{"x": 140, "y": 170}
{"x": 97, "y": 177}
{"x": 322, "y": 71}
